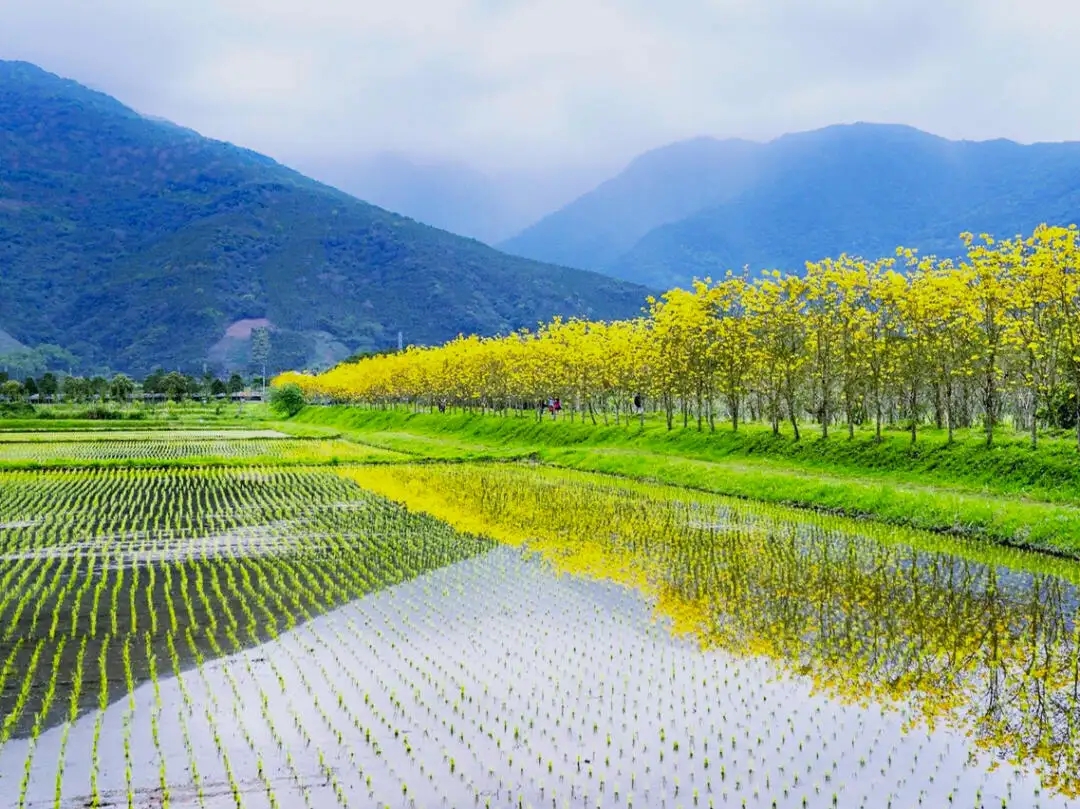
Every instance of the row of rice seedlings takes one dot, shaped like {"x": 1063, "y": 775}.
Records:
{"x": 379, "y": 662}
{"x": 64, "y": 512}
{"x": 127, "y": 433}
{"x": 184, "y": 710}
{"x": 212, "y": 710}
{"x": 237, "y": 702}
{"x": 122, "y": 449}
{"x": 873, "y": 620}
{"x": 227, "y": 577}
{"x": 265, "y": 451}
{"x": 127, "y": 577}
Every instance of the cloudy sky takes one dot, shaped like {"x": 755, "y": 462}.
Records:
{"x": 544, "y": 83}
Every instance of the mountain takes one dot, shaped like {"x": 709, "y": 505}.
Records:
{"x": 859, "y": 188}
{"x": 134, "y": 243}
{"x": 449, "y": 196}
{"x": 488, "y": 206}
{"x": 9, "y": 344}
{"x": 659, "y": 187}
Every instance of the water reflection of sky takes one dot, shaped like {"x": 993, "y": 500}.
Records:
{"x": 974, "y": 639}
{"x": 971, "y": 636}
{"x": 495, "y": 680}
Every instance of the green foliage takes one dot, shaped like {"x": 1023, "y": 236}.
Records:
{"x": 12, "y": 390}
{"x": 132, "y": 242}
{"x": 16, "y": 409}
{"x": 1061, "y": 408}
{"x": 29, "y": 361}
{"x": 1007, "y": 493}
{"x": 287, "y": 399}
{"x": 121, "y": 387}
{"x": 101, "y": 413}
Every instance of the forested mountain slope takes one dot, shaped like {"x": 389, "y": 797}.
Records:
{"x": 860, "y": 188}
{"x": 133, "y": 243}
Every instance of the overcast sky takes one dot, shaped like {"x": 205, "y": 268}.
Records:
{"x": 544, "y": 83}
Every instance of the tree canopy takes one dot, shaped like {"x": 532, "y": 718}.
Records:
{"x": 904, "y": 338}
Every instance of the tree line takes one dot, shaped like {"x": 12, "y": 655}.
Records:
{"x": 119, "y": 388}
{"x": 906, "y": 340}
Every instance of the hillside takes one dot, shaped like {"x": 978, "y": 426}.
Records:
{"x": 448, "y": 196}
{"x": 485, "y": 205}
{"x": 657, "y": 188}
{"x": 862, "y": 188}
{"x": 134, "y": 243}
{"x": 9, "y": 343}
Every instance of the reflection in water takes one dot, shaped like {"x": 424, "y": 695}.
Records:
{"x": 965, "y": 640}
{"x": 108, "y": 574}
{"x": 982, "y": 638}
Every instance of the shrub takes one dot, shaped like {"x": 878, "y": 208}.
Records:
{"x": 287, "y": 399}
{"x": 16, "y": 409}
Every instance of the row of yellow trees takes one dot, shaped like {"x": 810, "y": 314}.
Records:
{"x": 916, "y": 339}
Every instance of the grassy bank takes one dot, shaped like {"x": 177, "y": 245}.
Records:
{"x": 1050, "y": 473}
{"x": 1007, "y": 493}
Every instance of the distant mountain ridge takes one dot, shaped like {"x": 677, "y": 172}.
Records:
{"x": 858, "y": 188}
{"x": 134, "y": 243}
{"x": 447, "y": 196}
{"x": 659, "y": 187}
{"x": 486, "y": 205}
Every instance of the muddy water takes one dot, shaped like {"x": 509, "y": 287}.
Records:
{"x": 496, "y": 682}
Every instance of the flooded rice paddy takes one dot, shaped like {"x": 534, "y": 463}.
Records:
{"x": 508, "y": 636}
{"x": 258, "y": 447}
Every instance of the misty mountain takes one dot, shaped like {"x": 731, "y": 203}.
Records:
{"x": 860, "y": 188}
{"x": 659, "y": 187}
{"x": 134, "y": 243}
{"x": 451, "y": 196}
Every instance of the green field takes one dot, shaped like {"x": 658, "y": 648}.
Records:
{"x": 151, "y": 449}
{"x": 319, "y": 613}
{"x": 1007, "y": 494}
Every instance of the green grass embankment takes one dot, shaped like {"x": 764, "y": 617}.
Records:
{"x": 1007, "y": 493}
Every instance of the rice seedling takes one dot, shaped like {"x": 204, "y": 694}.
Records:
{"x": 265, "y": 633}
{"x": 867, "y": 617}
{"x": 131, "y": 567}
{"x": 121, "y": 448}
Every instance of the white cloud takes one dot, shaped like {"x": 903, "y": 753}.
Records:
{"x": 514, "y": 82}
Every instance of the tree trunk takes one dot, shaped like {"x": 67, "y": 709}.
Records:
{"x": 1034, "y": 416}
{"x": 824, "y": 407}
{"x": 877, "y": 413}
{"x": 913, "y": 402}
{"x": 949, "y": 417}
{"x": 1076, "y": 400}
